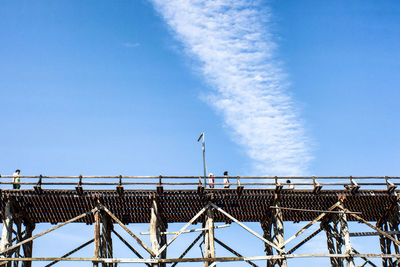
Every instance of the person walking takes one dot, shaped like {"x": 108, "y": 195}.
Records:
{"x": 211, "y": 180}
{"x": 16, "y": 180}
{"x": 226, "y": 180}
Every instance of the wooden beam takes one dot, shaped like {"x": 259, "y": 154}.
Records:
{"x": 319, "y": 217}
{"x": 72, "y": 252}
{"x": 188, "y": 248}
{"x": 129, "y": 246}
{"x": 209, "y": 236}
{"x": 231, "y": 250}
{"x": 305, "y": 240}
{"x": 183, "y": 229}
{"x": 216, "y": 259}
{"x": 346, "y": 237}
{"x": 47, "y": 231}
{"x": 246, "y": 228}
{"x": 376, "y": 229}
{"x": 6, "y": 235}
{"x": 189, "y": 231}
{"x": 96, "y": 237}
{"x": 140, "y": 242}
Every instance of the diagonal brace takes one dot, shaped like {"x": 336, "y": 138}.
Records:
{"x": 247, "y": 228}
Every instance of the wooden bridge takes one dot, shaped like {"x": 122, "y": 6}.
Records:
{"x": 104, "y": 201}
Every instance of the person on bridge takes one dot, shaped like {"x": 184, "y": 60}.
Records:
{"x": 16, "y": 180}
{"x": 226, "y": 179}
{"x": 211, "y": 180}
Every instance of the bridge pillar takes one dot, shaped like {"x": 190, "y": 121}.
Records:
{"x": 344, "y": 231}
{"x": 278, "y": 232}
{"x": 266, "y": 226}
{"x": 272, "y": 226}
{"x": 6, "y": 235}
{"x": 209, "y": 246}
{"x": 13, "y": 216}
{"x": 157, "y": 226}
{"x": 332, "y": 236}
{"x": 106, "y": 245}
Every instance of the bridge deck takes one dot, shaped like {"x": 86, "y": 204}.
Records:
{"x": 251, "y": 205}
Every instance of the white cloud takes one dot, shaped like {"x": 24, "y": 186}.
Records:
{"x": 232, "y": 42}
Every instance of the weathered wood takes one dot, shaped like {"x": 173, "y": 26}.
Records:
{"x": 209, "y": 236}
{"x": 183, "y": 228}
{"x": 47, "y": 231}
{"x": 246, "y": 228}
{"x": 140, "y": 242}
{"x": 311, "y": 210}
{"x": 27, "y": 247}
{"x": 72, "y": 252}
{"x": 188, "y": 248}
{"x": 189, "y": 231}
{"x": 231, "y": 250}
{"x": 217, "y": 259}
{"x": 154, "y": 230}
{"x": 106, "y": 244}
{"x": 309, "y": 225}
{"x": 346, "y": 237}
{"x": 6, "y": 235}
{"x": 305, "y": 240}
{"x": 376, "y": 229}
{"x": 96, "y": 237}
{"x": 129, "y": 246}
{"x": 279, "y": 233}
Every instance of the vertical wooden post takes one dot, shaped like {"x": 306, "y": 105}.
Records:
{"x": 154, "y": 230}
{"x": 106, "y": 250}
{"x": 329, "y": 240}
{"x": 209, "y": 236}
{"x": 156, "y": 227}
{"x": 344, "y": 231}
{"x": 96, "y": 236}
{"x": 7, "y": 227}
{"x": 278, "y": 229}
{"x": 6, "y": 235}
{"x": 27, "y": 247}
{"x": 266, "y": 226}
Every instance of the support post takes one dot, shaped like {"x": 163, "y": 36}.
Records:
{"x": 6, "y": 235}
{"x": 106, "y": 250}
{"x": 156, "y": 227}
{"x": 96, "y": 237}
{"x": 278, "y": 232}
{"x": 209, "y": 237}
{"x": 344, "y": 232}
{"x": 266, "y": 226}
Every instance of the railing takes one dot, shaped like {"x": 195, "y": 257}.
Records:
{"x": 191, "y": 182}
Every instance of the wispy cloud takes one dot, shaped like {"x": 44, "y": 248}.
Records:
{"x": 231, "y": 40}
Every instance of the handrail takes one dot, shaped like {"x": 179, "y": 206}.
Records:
{"x": 352, "y": 183}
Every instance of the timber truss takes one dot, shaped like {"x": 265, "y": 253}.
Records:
{"x": 330, "y": 210}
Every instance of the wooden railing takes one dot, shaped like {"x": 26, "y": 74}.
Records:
{"x": 190, "y": 182}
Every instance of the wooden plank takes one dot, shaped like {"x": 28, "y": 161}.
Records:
{"x": 216, "y": 259}
{"x": 246, "y": 228}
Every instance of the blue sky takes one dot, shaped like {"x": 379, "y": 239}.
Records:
{"x": 100, "y": 87}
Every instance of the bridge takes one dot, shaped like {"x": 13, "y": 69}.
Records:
{"x": 103, "y": 201}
